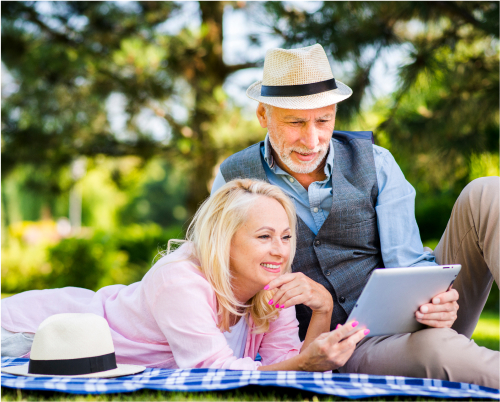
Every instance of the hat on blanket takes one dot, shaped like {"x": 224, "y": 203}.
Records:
{"x": 298, "y": 79}
{"x": 73, "y": 345}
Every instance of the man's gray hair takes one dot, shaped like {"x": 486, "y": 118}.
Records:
{"x": 269, "y": 109}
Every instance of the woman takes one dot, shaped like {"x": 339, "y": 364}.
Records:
{"x": 225, "y": 295}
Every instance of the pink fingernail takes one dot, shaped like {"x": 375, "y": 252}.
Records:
{"x": 338, "y": 326}
{"x": 355, "y": 324}
{"x": 270, "y": 302}
{"x": 277, "y": 306}
{"x": 266, "y": 287}
{"x": 366, "y": 331}
{"x": 282, "y": 306}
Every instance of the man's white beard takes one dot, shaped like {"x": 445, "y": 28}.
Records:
{"x": 300, "y": 167}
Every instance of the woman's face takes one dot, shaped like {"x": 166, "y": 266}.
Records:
{"x": 260, "y": 248}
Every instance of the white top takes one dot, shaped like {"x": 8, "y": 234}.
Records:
{"x": 237, "y": 338}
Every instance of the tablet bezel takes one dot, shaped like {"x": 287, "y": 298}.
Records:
{"x": 386, "y": 312}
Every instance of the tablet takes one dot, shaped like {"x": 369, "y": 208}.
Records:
{"x": 391, "y": 297}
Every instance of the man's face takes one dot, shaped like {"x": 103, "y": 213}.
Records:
{"x": 300, "y": 138}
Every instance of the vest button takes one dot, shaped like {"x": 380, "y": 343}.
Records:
{"x": 342, "y": 299}
{"x": 327, "y": 272}
{"x": 317, "y": 243}
{"x": 292, "y": 179}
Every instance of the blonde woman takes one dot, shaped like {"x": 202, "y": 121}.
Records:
{"x": 209, "y": 303}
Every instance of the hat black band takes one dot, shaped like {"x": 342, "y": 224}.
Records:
{"x": 298, "y": 90}
{"x": 85, "y": 365}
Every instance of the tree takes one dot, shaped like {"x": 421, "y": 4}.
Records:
{"x": 69, "y": 57}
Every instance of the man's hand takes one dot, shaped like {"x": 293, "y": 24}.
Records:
{"x": 296, "y": 288}
{"x": 441, "y": 313}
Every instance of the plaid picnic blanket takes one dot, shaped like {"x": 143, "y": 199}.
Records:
{"x": 350, "y": 386}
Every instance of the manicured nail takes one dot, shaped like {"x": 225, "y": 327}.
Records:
{"x": 270, "y": 302}
{"x": 424, "y": 309}
{"x": 282, "y": 306}
{"x": 266, "y": 287}
{"x": 277, "y": 306}
{"x": 366, "y": 331}
{"x": 355, "y": 324}
{"x": 338, "y": 326}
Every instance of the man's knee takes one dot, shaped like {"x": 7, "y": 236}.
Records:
{"x": 485, "y": 190}
{"x": 432, "y": 350}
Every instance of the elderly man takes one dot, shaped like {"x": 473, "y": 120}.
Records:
{"x": 356, "y": 213}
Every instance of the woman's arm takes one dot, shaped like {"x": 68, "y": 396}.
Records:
{"x": 328, "y": 351}
{"x": 319, "y": 324}
{"x": 297, "y": 288}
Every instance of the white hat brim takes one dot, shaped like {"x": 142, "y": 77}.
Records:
{"x": 315, "y": 101}
{"x": 121, "y": 370}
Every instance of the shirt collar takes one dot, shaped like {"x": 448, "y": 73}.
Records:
{"x": 268, "y": 157}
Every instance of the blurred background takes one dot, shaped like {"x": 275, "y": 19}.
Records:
{"x": 117, "y": 115}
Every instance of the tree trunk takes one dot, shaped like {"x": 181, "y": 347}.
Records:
{"x": 210, "y": 74}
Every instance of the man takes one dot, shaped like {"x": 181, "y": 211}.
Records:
{"x": 356, "y": 213}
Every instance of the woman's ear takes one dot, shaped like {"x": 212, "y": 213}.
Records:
{"x": 262, "y": 115}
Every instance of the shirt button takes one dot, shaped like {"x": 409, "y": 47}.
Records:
{"x": 342, "y": 299}
{"x": 292, "y": 179}
{"x": 327, "y": 272}
{"x": 317, "y": 243}
{"x": 315, "y": 209}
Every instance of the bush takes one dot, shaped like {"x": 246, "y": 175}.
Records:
{"x": 86, "y": 263}
{"x": 90, "y": 261}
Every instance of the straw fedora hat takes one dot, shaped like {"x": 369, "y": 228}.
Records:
{"x": 298, "y": 79}
{"x": 73, "y": 345}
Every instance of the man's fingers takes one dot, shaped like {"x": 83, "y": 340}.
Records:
{"x": 446, "y": 297}
{"x": 437, "y": 323}
{"x": 442, "y": 316}
{"x": 437, "y": 308}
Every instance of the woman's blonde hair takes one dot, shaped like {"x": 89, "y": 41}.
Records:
{"x": 211, "y": 232}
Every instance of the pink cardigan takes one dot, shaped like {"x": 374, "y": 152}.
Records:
{"x": 169, "y": 319}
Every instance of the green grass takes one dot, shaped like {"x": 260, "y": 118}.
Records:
{"x": 251, "y": 393}
{"x": 487, "y": 332}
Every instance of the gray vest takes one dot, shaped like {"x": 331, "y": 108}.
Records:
{"x": 347, "y": 247}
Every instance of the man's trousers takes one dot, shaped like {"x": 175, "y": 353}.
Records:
{"x": 471, "y": 239}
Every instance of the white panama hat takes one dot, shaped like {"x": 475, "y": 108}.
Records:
{"x": 298, "y": 79}
{"x": 73, "y": 345}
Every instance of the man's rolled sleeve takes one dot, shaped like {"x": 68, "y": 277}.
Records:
{"x": 399, "y": 235}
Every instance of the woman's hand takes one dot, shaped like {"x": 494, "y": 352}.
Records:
{"x": 441, "y": 313}
{"x": 331, "y": 350}
{"x": 296, "y": 288}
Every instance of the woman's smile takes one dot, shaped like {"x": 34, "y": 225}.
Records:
{"x": 273, "y": 267}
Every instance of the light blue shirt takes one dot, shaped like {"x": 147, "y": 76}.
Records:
{"x": 400, "y": 241}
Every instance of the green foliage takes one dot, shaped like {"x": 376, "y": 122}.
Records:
{"x": 71, "y": 59}
{"x": 90, "y": 261}
{"x": 493, "y": 303}
{"x": 86, "y": 263}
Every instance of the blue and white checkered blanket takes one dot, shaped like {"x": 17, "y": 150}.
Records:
{"x": 344, "y": 385}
